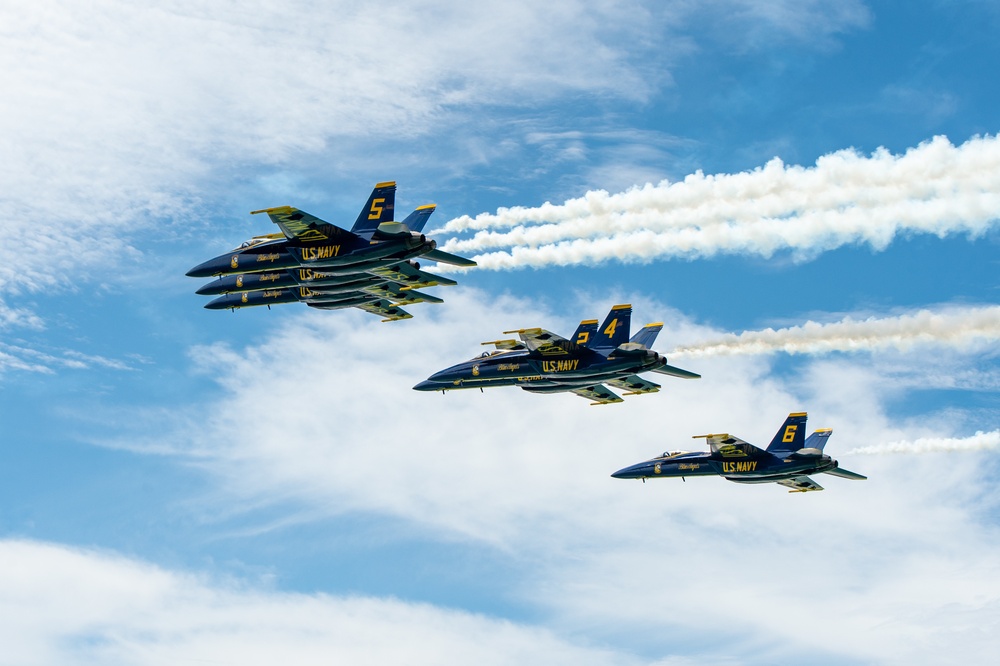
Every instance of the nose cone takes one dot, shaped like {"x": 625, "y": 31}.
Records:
{"x": 224, "y": 302}
{"x": 428, "y": 385}
{"x": 211, "y": 289}
{"x": 211, "y": 267}
{"x": 639, "y": 471}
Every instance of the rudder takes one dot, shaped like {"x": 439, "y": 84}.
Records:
{"x": 379, "y": 208}
{"x": 615, "y": 329}
{"x": 792, "y": 434}
{"x": 584, "y": 334}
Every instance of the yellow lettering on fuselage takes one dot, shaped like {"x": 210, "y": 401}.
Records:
{"x": 320, "y": 252}
{"x": 560, "y": 366}
{"x": 742, "y": 466}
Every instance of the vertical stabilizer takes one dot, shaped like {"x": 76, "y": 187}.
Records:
{"x": 416, "y": 220}
{"x": 647, "y": 335}
{"x": 378, "y": 209}
{"x": 792, "y": 434}
{"x": 584, "y": 334}
{"x": 818, "y": 439}
{"x": 615, "y": 329}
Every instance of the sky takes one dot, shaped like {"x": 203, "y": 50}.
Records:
{"x": 806, "y": 193}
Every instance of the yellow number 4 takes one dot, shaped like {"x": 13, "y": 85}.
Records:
{"x": 610, "y": 330}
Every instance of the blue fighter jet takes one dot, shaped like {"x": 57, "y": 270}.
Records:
{"x": 788, "y": 460}
{"x": 543, "y": 362}
{"x": 370, "y": 267}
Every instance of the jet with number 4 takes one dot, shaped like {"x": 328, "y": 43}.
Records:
{"x": 543, "y": 362}
{"x": 370, "y": 267}
{"x": 788, "y": 460}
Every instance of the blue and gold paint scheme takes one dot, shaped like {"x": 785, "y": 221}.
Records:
{"x": 543, "y": 362}
{"x": 788, "y": 460}
{"x": 373, "y": 262}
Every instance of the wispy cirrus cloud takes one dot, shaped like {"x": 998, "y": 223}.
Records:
{"x": 75, "y": 606}
{"x": 846, "y": 198}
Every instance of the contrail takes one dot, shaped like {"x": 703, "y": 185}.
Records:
{"x": 957, "y": 327}
{"x": 981, "y": 441}
{"x": 847, "y": 197}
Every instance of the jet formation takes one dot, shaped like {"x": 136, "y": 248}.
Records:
{"x": 788, "y": 460}
{"x": 370, "y": 267}
{"x": 543, "y": 362}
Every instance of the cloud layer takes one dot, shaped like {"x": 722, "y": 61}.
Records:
{"x": 63, "y": 605}
{"x": 846, "y": 198}
{"x": 630, "y": 564}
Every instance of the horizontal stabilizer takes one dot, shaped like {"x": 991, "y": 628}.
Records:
{"x": 845, "y": 474}
{"x": 448, "y": 258}
{"x": 800, "y": 484}
{"x": 634, "y": 385}
{"x": 598, "y": 393}
{"x": 677, "y": 372}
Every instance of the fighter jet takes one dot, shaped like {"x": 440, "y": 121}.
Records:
{"x": 370, "y": 267}
{"x": 543, "y": 362}
{"x": 788, "y": 460}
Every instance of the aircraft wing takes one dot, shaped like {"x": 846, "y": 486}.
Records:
{"x": 800, "y": 484}
{"x": 385, "y": 309}
{"x": 301, "y": 226}
{"x": 408, "y": 276}
{"x": 730, "y": 447}
{"x": 634, "y": 385}
{"x": 544, "y": 342}
{"x": 598, "y": 393}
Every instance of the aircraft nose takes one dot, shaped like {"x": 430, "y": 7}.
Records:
{"x": 210, "y": 289}
{"x": 222, "y": 303}
{"x": 633, "y": 471}
{"x": 428, "y": 385}
{"x": 209, "y": 268}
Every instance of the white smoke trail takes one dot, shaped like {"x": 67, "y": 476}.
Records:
{"x": 846, "y": 197}
{"x": 981, "y": 441}
{"x": 957, "y": 327}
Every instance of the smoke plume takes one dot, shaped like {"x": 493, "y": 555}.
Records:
{"x": 847, "y": 197}
{"x": 955, "y": 327}
{"x": 981, "y": 441}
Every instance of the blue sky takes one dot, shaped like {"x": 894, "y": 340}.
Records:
{"x": 806, "y": 193}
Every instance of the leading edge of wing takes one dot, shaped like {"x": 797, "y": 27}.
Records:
{"x": 301, "y": 226}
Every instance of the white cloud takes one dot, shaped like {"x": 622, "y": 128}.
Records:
{"x": 891, "y": 568}
{"x": 846, "y": 198}
{"x": 118, "y": 117}
{"x": 61, "y": 605}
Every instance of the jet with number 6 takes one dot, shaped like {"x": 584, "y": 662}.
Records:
{"x": 787, "y": 461}
{"x": 543, "y": 362}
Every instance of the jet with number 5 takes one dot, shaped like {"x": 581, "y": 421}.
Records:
{"x": 788, "y": 460}
{"x": 371, "y": 266}
{"x": 543, "y": 362}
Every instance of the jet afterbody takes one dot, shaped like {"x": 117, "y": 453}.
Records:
{"x": 543, "y": 362}
{"x": 788, "y": 460}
